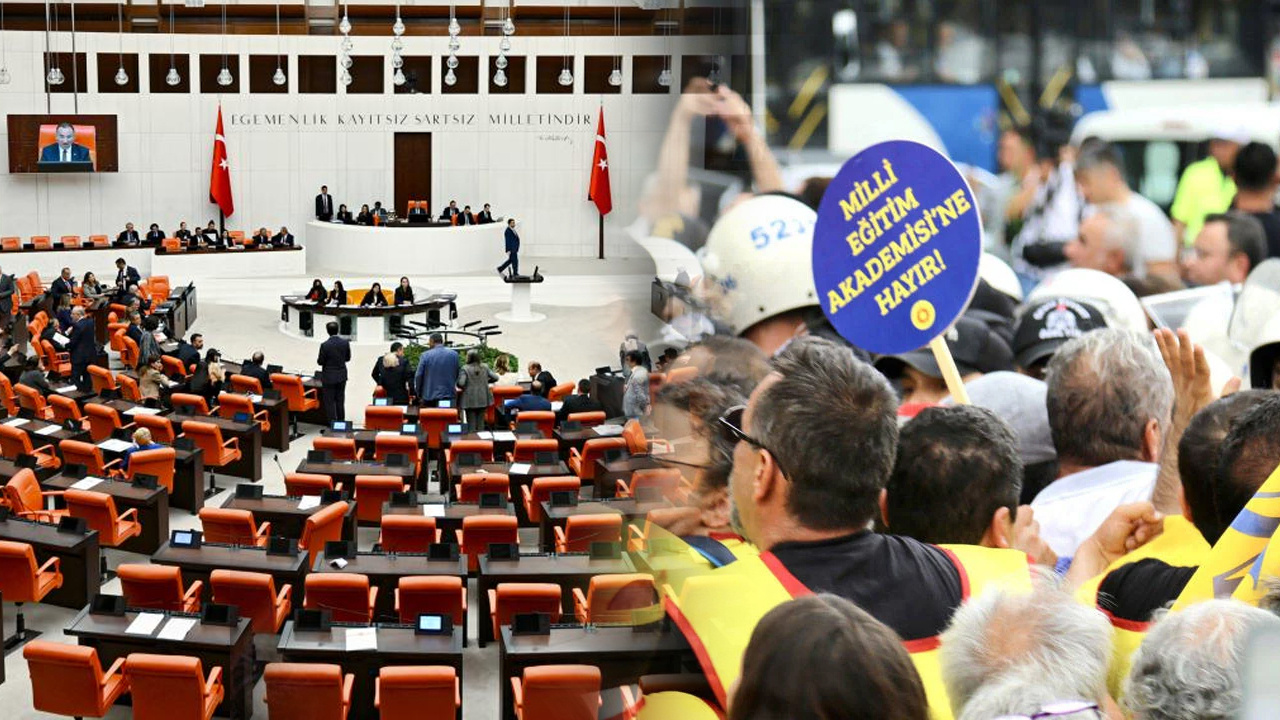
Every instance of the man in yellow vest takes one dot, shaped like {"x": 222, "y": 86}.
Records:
{"x": 1206, "y": 186}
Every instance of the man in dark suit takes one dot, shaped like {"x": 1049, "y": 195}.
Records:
{"x": 379, "y": 212}
{"x": 65, "y": 149}
{"x": 284, "y": 238}
{"x": 324, "y": 205}
{"x": 126, "y": 275}
{"x": 7, "y": 289}
{"x": 183, "y": 234}
{"x": 467, "y": 217}
{"x": 129, "y": 236}
{"x": 82, "y": 346}
{"x": 542, "y": 381}
{"x": 450, "y": 213}
{"x": 254, "y": 369}
{"x": 485, "y": 217}
{"x": 189, "y": 352}
{"x": 155, "y": 235}
{"x": 578, "y": 402}
{"x": 64, "y": 284}
{"x": 512, "y": 244}
{"x": 334, "y": 355}
{"x": 209, "y": 235}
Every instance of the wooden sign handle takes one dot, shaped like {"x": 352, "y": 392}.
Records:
{"x": 950, "y": 373}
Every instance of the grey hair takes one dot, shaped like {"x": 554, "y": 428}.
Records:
{"x": 1103, "y": 388}
{"x": 1011, "y": 652}
{"x": 1123, "y": 233}
{"x": 1189, "y": 665}
{"x": 390, "y": 360}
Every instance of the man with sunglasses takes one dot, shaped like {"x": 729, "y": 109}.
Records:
{"x": 814, "y": 448}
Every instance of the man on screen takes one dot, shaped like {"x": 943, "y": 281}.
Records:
{"x": 65, "y": 149}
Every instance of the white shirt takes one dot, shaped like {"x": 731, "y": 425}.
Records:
{"x": 1071, "y": 508}
{"x": 1155, "y": 233}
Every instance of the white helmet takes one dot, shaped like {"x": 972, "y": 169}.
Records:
{"x": 1113, "y": 298}
{"x": 757, "y": 261}
{"x": 999, "y": 276}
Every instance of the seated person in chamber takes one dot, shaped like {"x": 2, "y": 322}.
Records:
{"x": 33, "y": 377}
{"x": 224, "y": 240}
{"x": 261, "y": 238}
{"x": 128, "y": 236}
{"x": 404, "y": 292}
{"x": 317, "y": 293}
{"x": 338, "y": 295}
{"x": 284, "y": 238}
{"x": 209, "y": 234}
{"x": 467, "y": 217}
{"x": 65, "y": 149}
{"x": 417, "y": 210}
{"x": 63, "y": 313}
{"x": 365, "y": 217}
{"x": 379, "y": 211}
{"x": 141, "y": 441}
{"x": 374, "y": 297}
{"x": 485, "y": 217}
{"x": 91, "y": 288}
{"x": 155, "y": 235}
{"x": 344, "y": 215}
{"x": 450, "y": 214}
{"x": 182, "y": 233}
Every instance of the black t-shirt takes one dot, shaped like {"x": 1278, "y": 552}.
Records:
{"x": 1135, "y": 591}
{"x": 912, "y": 587}
{"x": 1271, "y": 225}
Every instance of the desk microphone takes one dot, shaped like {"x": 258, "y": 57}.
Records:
{"x": 276, "y": 457}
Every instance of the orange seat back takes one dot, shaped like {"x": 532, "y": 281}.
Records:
{"x": 188, "y": 404}
{"x": 541, "y": 489}
{"x": 173, "y": 367}
{"x": 614, "y": 598}
{"x": 371, "y": 492}
{"x": 229, "y": 525}
{"x": 19, "y": 574}
{"x": 161, "y": 427}
{"x": 246, "y": 384}
{"x": 564, "y": 692}
{"x": 384, "y": 445}
{"x": 66, "y": 679}
{"x": 560, "y": 392}
{"x": 481, "y": 531}
{"x": 345, "y": 594}
{"x": 407, "y": 533}
{"x": 65, "y": 409}
{"x": 253, "y": 593}
{"x": 22, "y": 492}
{"x": 30, "y": 399}
{"x": 102, "y": 379}
{"x": 83, "y": 453}
{"x": 292, "y": 390}
{"x": 483, "y": 447}
{"x": 637, "y": 443}
{"x": 299, "y": 484}
{"x": 171, "y": 244}
{"x": 473, "y": 485}
{"x": 322, "y": 526}
{"x": 99, "y": 240}
{"x": 435, "y": 421}
{"x": 99, "y": 513}
{"x": 10, "y": 243}
{"x": 103, "y": 420}
{"x": 668, "y": 480}
{"x": 425, "y": 691}
{"x": 339, "y": 448}
{"x": 501, "y": 394}
{"x": 590, "y": 418}
{"x": 151, "y": 587}
{"x": 229, "y": 404}
{"x": 511, "y": 599}
{"x": 545, "y": 419}
{"x": 42, "y": 242}
{"x": 383, "y": 417}
{"x": 164, "y": 687}
{"x": 592, "y": 451}
{"x": 208, "y": 437}
{"x": 129, "y": 389}
{"x": 431, "y": 595}
{"x": 14, "y": 442}
{"x": 582, "y": 530}
{"x": 158, "y": 463}
{"x": 305, "y": 691}
{"x": 527, "y": 450}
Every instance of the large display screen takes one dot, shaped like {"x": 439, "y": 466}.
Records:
{"x": 62, "y": 143}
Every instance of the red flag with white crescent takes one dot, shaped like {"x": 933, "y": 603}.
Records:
{"x": 599, "y": 191}
{"x": 220, "y": 179}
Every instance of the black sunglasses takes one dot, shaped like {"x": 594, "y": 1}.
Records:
{"x": 730, "y": 427}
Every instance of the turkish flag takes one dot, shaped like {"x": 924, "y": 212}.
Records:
{"x": 220, "y": 179}
{"x": 599, "y": 192}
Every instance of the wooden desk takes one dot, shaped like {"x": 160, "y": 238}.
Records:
{"x": 199, "y": 563}
{"x": 567, "y": 571}
{"x": 397, "y": 645}
{"x": 78, "y": 555}
{"x": 217, "y": 646}
{"x": 249, "y": 466}
{"x": 277, "y": 438}
{"x": 344, "y": 472}
{"x": 385, "y": 570}
{"x": 152, "y": 507}
{"x": 516, "y": 480}
{"x": 454, "y": 513}
{"x": 609, "y": 473}
{"x": 621, "y": 653}
{"x": 285, "y": 517}
{"x": 188, "y": 465}
{"x": 557, "y": 515}
{"x": 576, "y": 439}
{"x": 31, "y": 427}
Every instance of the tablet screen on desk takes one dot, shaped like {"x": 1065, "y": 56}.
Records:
{"x": 409, "y": 429}
{"x": 444, "y": 404}
{"x": 434, "y": 625}
{"x": 341, "y": 425}
{"x": 455, "y": 429}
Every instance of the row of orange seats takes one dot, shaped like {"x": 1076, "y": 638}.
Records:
{"x": 45, "y": 242}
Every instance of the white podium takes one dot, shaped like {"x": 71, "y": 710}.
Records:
{"x": 521, "y": 300}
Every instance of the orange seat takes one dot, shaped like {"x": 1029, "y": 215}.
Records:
{"x": 172, "y": 687}
{"x": 42, "y": 242}
{"x": 417, "y": 692}
{"x": 472, "y": 485}
{"x": 484, "y": 448}
{"x": 435, "y": 421}
{"x": 158, "y": 463}
{"x": 638, "y": 444}
{"x": 563, "y": 692}
{"x": 583, "y": 463}
{"x": 6, "y": 395}
{"x": 580, "y": 531}
{"x": 208, "y": 437}
{"x": 103, "y": 380}
{"x": 339, "y": 448}
{"x": 371, "y": 492}
{"x": 65, "y": 410}
{"x": 15, "y": 443}
{"x": 100, "y": 240}
{"x": 129, "y": 389}
{"x": 541, "y": 490}
{"x": 158, "y": 587}
{"x": 590, "y": 418}
{"x": 478, "y": 532}
{"x": 229, "y": 405}
{"x": 501, "y": 394}
{"x": 160, "y": 426}
{"x": 160, "y": 287}
{"x": 129, "y": 352}
{"x": 30, "y": 399}
{"x": 171, "y": 244}
{"x": 527, "y": 450}
{"x": 70, "y": 241}
{"x": 299, "y": 398}
{"x": 407, "y": 533}
{"x": 115, "y": 335}
{"x": 173, "y": 367}
{"x": 234, "y": 527}
{"x": 256, "y": 597}
{"x": 22, "y": 581}
{"x": 99, "y": 513}
{"x": 322, "y": 526}
{"x": 545, "y": 419}
{"x": 299, "y": 484}
{"x": 58, "y": 363}
{"x": 614, "y": 598}
{"x": 307, "y": 691}
{"x": 188, "y": 404}
{"x": 384, "y": 445}
{"x": 68, "y": 679}
{"x": 560, "y": 392}
{"x": 511, "y": 599}
{"x": 668, "y": 480}
{"x": 432, "y": 595}
{"x": 24, "y": 498}
{"x": 387, "y": 417}
{"x": 347, "y": 595}
{"x": 246, "y": 384}
{"x": 11, "y": 243}
{"x": 103, "y": 420}
{"x": 88, "y": 455}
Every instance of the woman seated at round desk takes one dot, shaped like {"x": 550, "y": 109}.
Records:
{"x": 338, "y": 294}
{"x": 404, "y": 292}
{"x": 374, "y": 297}
{"x": 317, "y": 293}
{"x": 344, "y": 215}
{"x": 365, "y": 217}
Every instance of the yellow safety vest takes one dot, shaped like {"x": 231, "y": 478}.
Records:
{"x": 717, "y": 611}
{"x": 676, "y": 706}
{"x": 1180, "y": 545}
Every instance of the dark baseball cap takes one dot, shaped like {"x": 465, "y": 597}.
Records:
{"x": 975, "y": 347}
{"x": 1047, "y": 325}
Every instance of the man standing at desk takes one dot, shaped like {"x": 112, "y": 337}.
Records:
{"x": 512, "y": 242}
{"x": 64, "y": 284}
{"x": 437, "y": 375}
{"x": 126, "y": 276}
{"x": 324, "y": 205}
{"x": 82, "y": 346}
{"x": 335, "y": 353}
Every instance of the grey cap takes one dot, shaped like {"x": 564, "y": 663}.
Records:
{"x": 1019, "y": 400}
